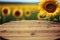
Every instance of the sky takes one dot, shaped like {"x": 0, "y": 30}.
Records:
{"x": 33, "y": 1}
{"x": 19, "y": 0}
{"x": 59, "y": 1}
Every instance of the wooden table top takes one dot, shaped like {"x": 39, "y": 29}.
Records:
{"x": 30, "y": 30}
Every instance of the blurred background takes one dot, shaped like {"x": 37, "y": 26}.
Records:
{"x": 29, "y": 1}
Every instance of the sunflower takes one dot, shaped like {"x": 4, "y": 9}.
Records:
{"x": 27, "y": 12}
{"x": 39, "y": 16}
{"x": 6, "y": 11}
{"x": 49, "y": 7}
{"x": 18, "y": 13}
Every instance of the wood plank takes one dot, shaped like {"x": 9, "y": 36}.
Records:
{"x": 27, "y": 28}
{"x": 30, "y": 38}
{"x": 30, "y": 30}
{"x": 31, "y": 34}
{"x": 31, "y": 25}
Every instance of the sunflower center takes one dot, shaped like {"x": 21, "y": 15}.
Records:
{"x": 27, "y": 12}
{"x": 50, "y": 7}
{"x": 17, "y": 13}
{"x": 5, "y": 11}
{"x": 41, "y": 17}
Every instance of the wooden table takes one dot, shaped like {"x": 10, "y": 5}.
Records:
{"x": 30, "y": 30}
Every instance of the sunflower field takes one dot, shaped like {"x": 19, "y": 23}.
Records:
{"x": 48, "y": 10}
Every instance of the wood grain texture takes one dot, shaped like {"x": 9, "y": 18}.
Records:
{"x": 31, "y": 38}
{"x": 30, "y": 30}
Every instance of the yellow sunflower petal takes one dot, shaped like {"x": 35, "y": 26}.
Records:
{"x": 18, "y": 13}
{"x": 6, "y": 11}
{"x": 49, "y": 7}
{"x": 39, "y": 16}
{"x": 48, "y": 0}
{"x": 54, "y": 13}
